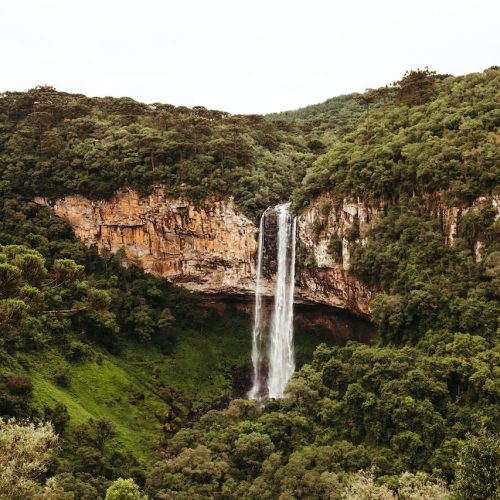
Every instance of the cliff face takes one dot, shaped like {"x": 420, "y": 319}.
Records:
{"x": 326, "y": 232}
{"x": 207, "y": 247}
{"x": 210, "y": 247}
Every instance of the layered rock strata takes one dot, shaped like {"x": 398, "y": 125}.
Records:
{"x": 210, "y": 246}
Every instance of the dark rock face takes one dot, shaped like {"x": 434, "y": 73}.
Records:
{"x": 270, "y": 263}
{"x": 329, "y": 323}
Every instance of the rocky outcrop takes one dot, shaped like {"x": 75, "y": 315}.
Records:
{"x": 207, "y": 247}
{"x": 326, "y": 233}
{"x": 210, "y": 247}
{"x": 449, "y": 218}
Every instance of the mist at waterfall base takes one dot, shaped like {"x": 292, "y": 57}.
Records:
{"x": 274, "y": 347}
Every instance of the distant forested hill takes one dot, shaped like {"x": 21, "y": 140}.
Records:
{"x": 340, "y": 114}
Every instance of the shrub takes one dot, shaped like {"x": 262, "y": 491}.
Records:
{"x": 78, "y": 351}
{"x": 26, "y": 450}
{"x": 124, "y": 489}
{"x": 62, "y": 377}
{"x": 335, "y": 247}
{"x": 478, "y": 468}
{"x": 19, "y": 384}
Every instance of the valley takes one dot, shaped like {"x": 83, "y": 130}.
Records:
{"x": 297, "y": 305}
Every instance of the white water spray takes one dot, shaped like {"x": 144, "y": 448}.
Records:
{"x": 280, "y": 356}
{"x": 257, "y": 323}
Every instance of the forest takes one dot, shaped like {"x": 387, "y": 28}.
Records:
{"x": 117, "y": 384}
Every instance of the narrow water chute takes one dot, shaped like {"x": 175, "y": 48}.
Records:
{"x": 257, "y": 324}
{"x": 280, "y": 353}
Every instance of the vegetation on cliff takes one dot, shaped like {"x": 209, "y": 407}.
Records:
{"x": 123, "y": 364}
{"x": 53, "y": 143}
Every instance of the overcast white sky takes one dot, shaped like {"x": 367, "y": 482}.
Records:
{"x": 242, "y": 56}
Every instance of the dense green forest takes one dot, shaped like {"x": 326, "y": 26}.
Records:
{"x": 55, "y": 143}
{"x": 141, "y": 382}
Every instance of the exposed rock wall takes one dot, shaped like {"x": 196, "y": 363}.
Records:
{"x": 326, "y": 232}
{"x": 449, "y": 218}
{"x": 210, "y": 247}
{"x": 310, "y": 319}
{"x": 207, "y": 247}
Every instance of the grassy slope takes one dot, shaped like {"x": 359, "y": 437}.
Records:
{"x": 104, "y": 390}
{"x": 202, "y": 366}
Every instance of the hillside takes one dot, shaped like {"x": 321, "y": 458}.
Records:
{"x": 332, "y": 118}
{"x": 396, "y": 192}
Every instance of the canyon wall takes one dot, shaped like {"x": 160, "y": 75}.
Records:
{"x": 326, "y": 232}
{"x": 330, "y": 227}
{"x": 207, "y": 247}
{"x": 210, "y": 247}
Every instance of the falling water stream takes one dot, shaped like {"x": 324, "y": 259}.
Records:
{"x": 280, "y": 352}
{"x": 255, "y": 391}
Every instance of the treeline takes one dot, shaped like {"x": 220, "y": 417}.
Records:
{"x": 54, "y": 143}
{"x": 424, "y": 134}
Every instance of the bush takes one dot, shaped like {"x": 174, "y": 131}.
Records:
{"x": 58, "y": 416}
{"x": 26, "y": 450}
{"x": 62, "y": 377}
{"x": 124, "y": 489}
{"x": 318, "y": 226}
{"x": 78, "y": 351}
{"x": 478, "y": 468}
{"x": 19, "y": 384}
{"x": 335, "y": 247}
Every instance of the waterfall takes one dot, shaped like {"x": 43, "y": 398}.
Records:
{"x": 280, "y": 355}
{"x": 281, "y": 358}
{"x": 257, "y": 323}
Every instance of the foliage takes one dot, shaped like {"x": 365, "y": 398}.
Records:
{"x": 123, "y": 364}
{"x": 416, "y": 86}
{"x": 26, "y": 450}
{"x": 335, "y": 247}
{"x": 124, "y": 489}
{"x": 478, "y": 468}
{"x": 431, "y": 135}
{"x": 54, "y": 143}
{"x": 365, "y": 488}
{"x": 335, "y": 117}
{"x": 395, "y": 410}
{"x": 424, "y": 283}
